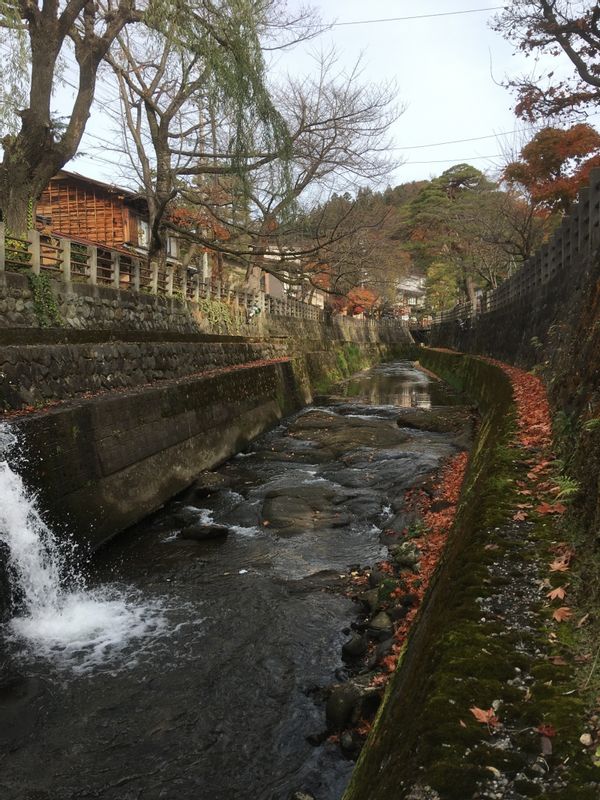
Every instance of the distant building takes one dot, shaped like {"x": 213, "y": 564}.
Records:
{"x": 410, "y": 297}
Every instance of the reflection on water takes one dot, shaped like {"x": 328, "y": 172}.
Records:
{"x": 220, "y": 702}
{"x": 398, "y": 384}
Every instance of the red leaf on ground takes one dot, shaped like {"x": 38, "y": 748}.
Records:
{"x": 551, "y": 508}
{"x": 485, "y": 717}
{"x": 562, "y": 614}
{"x": 557, "y": 594}
{"x": 520, "y": 516}
{"x": 546, "y": 730}
{"x": 558, "y": 661}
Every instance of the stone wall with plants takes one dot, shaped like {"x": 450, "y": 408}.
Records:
{"x": 37, "y": 301}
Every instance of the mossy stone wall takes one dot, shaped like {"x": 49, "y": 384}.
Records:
{"x": 425, "y": 742}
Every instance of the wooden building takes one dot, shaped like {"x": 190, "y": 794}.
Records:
{"x": 91, "y": 211}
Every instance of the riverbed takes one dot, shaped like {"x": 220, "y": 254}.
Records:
{"x": 221, "y": 694}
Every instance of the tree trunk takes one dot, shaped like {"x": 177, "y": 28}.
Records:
{"x": 18, "y": 208}
{"x": 23, "y": 178}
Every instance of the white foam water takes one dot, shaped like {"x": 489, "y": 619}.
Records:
{"x": 59, "y": 618}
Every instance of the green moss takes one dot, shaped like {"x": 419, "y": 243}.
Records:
{"x": 454, "y": 660}
{"x": 455, "y": 781}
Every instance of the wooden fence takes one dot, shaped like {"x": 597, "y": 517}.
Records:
{"x": 575, "y": 240}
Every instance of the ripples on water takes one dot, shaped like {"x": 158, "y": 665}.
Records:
{"x": 187, "y": 669}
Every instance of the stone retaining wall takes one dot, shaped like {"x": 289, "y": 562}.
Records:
{"x": 481, "y": 638}
{"x": 37, "y": 374}
{"x": 102, "y": 464}
{"x": 100, "y": 308}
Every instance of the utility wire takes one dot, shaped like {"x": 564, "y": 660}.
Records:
{"x": 459, "y": 141}
{"x": 416, "y": 16}
{"x": 454, "y": 160}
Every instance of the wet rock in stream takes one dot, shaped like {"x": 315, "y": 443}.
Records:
{"x": 201, "y": 533}
{"x": 217, "y": 705}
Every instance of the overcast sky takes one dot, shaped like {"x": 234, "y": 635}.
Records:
{"x": 447, "y": 69}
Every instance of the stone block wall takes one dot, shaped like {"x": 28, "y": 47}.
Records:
{"x": 93, "y": 307}
{"x": 35, "y": 374}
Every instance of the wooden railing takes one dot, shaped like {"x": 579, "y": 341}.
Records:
{"x": 78, "y": 262}
{"x": 575, "y": 240}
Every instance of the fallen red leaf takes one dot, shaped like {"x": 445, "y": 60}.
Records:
{"x": 485, "y": 717}
{"x": 557, "y": 594}
{"x": 562, "y": 614}
{"x": 551, "y": 508}
{"x": 546, "y": 730}
{"x": 559, "y": 565}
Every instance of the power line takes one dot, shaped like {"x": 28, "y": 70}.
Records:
{"x": 459, "y": 141}
{"x": 454, "y": 160}
{"x": 416, "y": 16}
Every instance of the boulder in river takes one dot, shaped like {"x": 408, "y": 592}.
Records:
{"x": 381, "y": 626}
{"x": 200, "y": 533}
{"x": 294, "y": 509}
{"x": 205, "y": 484}
{"x": 438, "y": 419}
{"x": 343, "y": 706}
{"x": 355, "y": 647}
{"x": 370, "y": 599}
{"x": 406, "y": 555}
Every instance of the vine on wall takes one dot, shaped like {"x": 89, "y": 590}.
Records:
{"x": 44, "y": 302}
{"x": 219, "y": 315}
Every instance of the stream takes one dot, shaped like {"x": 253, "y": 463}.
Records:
{"x": 195, "y": 670}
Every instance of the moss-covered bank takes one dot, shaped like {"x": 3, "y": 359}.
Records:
{"x": 482, "y": 642}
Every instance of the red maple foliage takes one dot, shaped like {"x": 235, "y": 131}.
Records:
{"x": 431, "y": 543}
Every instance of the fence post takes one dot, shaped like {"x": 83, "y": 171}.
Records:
{"x": 197, "y": 287}
{"x": 66, "y": 259}
{"x": 261, "y": 301}
{"x": 2, "y": 247}
{"x": 169, "y": 279}
{"x": 594, "y": 208}
{"x": 115, "y": 260}
{"x": 33, "y": 237}
{"x": 93, "y": 262}
{"x": 137, "y": 283}
{"x": 154, "y": 279}
{"x": 184, "y": 281}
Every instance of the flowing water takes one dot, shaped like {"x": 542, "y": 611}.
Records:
{"x": 187, "y": 669}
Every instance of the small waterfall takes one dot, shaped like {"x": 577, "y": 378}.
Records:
{"x": 58, "y": 617}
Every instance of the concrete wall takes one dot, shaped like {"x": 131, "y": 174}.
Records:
{"x": 104, "y": 463}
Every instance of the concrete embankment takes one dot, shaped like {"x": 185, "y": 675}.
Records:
{"x": 101, "y": 460}
{"x": 481, "y": 705}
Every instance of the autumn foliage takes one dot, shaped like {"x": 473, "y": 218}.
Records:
{"x": 555, "y": 164}
{"x": 431, "y": 543}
